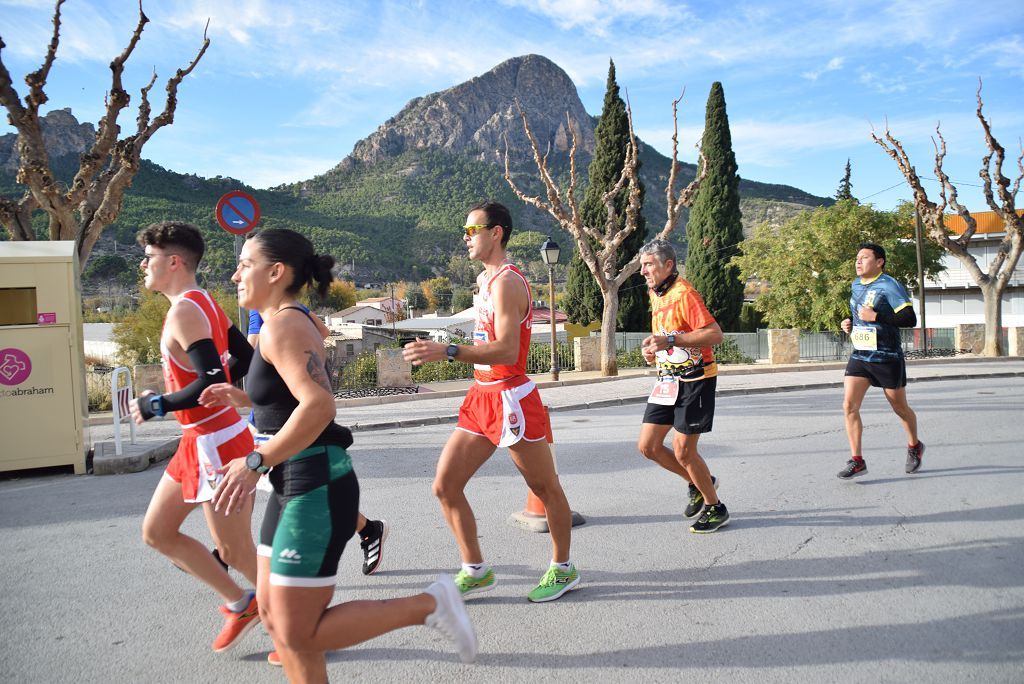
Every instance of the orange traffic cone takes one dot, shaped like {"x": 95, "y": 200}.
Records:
{"x": 534, "y": 517}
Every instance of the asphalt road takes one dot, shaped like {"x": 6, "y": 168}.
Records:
{"x": 886, "y": 578}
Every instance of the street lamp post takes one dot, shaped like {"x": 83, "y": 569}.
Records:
{"x": 549, "y": 253}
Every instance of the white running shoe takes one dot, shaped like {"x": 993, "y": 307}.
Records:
{"x": 451, "y": 619}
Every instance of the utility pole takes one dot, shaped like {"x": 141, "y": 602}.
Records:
{"x": 918, "y": 229}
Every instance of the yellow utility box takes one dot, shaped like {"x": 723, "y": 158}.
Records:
{"x": 43, "y": 406}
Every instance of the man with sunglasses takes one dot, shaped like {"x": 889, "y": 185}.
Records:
{"x": 502, "y": 409}
{"x": 199, "y": 347}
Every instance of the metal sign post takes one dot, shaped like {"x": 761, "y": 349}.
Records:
{"x": 238, "y": 213}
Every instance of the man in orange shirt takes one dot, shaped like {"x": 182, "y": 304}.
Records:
{"x": 684, "y": 395}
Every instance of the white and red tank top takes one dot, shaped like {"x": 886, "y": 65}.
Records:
{"x": 484, "y": 333}
{"x": 177, "y": 376}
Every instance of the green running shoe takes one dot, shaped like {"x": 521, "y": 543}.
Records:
{"x": 554, "y": 583}
{"x": 467, "y": 584}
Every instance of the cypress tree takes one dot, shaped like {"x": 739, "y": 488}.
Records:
{"x": 845, "y": 191}
{"x": 584, "y": 302}
{"x": 714, "y": 229}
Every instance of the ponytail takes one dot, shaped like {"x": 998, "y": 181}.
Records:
{"x": 295, "y": 250}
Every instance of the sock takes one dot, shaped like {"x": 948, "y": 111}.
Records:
{"x": 475, "y": 569}
{"x": 564, "y": 567}
{"x": 241, "y": 604}
{"x": 858, "y": 459}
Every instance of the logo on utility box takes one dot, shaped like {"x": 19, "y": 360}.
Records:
{"x": 15, "y": 366}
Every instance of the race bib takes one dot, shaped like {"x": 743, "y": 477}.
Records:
{"x": 481, "y": 337}
{"x": 864, "y": 338}
{"x": 665, "y": 392}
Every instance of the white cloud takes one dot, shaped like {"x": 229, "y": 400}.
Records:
{"x": 834, "y": 64}
{"x": 597, "y": 16}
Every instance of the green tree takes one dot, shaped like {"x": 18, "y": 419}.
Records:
{"x": 584, "y": 301}
{"x": 808, "y": 261}
{"x": 462, "y": 299}
{"x": 845, "y": 191}
{"x": 138, "y": 336}
{"x": 340, "y": 295}
{"x": 715, "y": 230}
{"x": 438, "y": 292}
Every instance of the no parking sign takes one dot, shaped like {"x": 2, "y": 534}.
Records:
{"x": 238, "y": 212}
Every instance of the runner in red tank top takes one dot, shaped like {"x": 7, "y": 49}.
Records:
{"x": 200, "y": 347}
{"x": 503, "y": 409}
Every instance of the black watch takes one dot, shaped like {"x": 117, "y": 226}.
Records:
{"x": 452, "y": 350}
{"x": 671, "y": 339}
{"x": 254, "y": 461}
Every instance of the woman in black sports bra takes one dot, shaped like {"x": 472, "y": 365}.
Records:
{"x": 312, "y": 511}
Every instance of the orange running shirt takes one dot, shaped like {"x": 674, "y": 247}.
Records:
{"x": 682, "y": 310}
{"x": 484, "y": 332}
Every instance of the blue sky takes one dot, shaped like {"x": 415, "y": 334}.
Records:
{"x": 288, "y": 86}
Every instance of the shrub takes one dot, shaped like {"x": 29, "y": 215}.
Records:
{"x": 729, "y": 352}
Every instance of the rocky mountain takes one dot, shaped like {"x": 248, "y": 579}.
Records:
{"x": 476, "y": 117}
{"x": 391, "y": 209}
{"x": 62, "y": 134}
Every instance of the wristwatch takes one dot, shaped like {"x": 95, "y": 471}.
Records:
{"x": 671, "y": 339}
{"x": 452, "y": 350}
{"x": 156, "y": 404}
{"x": 254, "y": 461}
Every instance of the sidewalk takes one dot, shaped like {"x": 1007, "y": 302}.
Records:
{"x": 439, "y": 402}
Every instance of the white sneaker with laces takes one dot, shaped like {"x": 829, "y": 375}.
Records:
{"x": 451, "y": 619}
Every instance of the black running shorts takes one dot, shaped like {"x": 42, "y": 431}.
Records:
{"x": 694, "y": 410}
{"x": 884, "y": 374}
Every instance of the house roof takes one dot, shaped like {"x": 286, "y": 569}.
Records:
{"x": 352, "y": 309}
{"x": 432, "y": 323}
{"x": 987, "y": 222}
{"x": 542, "y": 314}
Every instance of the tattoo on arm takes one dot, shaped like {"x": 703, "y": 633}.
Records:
{"x": 317, "y": 371}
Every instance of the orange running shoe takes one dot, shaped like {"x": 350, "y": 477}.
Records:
{"x": 236, "y": 625}
{"x": 274, "y": 659}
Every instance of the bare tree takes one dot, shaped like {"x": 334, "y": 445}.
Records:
{"x": 1001, "y": 200}
{"x": 92, "y": 202}
{"x": 609, "y": 237}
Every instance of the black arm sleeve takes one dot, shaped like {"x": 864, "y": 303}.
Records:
{"x": 207, "y": 365}
{"x": 904, "y": 318}
{"x": 241, "y": 353}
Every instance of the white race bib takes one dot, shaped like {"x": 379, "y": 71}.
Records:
{"x": 665, "y": 392}
{"x": 864, "y": 338}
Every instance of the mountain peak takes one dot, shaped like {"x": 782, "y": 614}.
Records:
{"x": 475, "y": 117}
{"x": 62, "y": 135}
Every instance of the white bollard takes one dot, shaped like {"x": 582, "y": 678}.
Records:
{"x": 122, "y": 396}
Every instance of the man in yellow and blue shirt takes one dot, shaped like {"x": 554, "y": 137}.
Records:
{"x": 879, "y": 307}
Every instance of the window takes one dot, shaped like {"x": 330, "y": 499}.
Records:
{"x": 350, "y": 350}
{"x": 18, "y": 306}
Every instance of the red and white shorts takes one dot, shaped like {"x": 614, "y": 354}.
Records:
{"x": 503, "y": 414}
{"x": 205, "y": 449}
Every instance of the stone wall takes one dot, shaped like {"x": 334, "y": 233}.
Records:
{"x": 586, "y": 353}
{"x": 969, "y": 336}
{"x": 149, "y": 376}
{"x": 392, "y": 369}
{"x": 1015, "y": 347}
{"x": 783, "y": 345}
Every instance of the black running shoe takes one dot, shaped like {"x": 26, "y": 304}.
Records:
{"x": 713, "y": 517}
{"x": 696, "y": 504}
{"x": 853, "y": 469}
{"x": 371, "y": 539}
{"x": 914, "y": 455}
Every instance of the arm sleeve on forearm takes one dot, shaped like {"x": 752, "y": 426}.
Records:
{"x": 241, "y": 353}
{"x": 904, "y": 318}
{"x": 206, "y": 362}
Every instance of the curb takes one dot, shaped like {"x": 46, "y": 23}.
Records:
{"x": 134, "y": 458}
